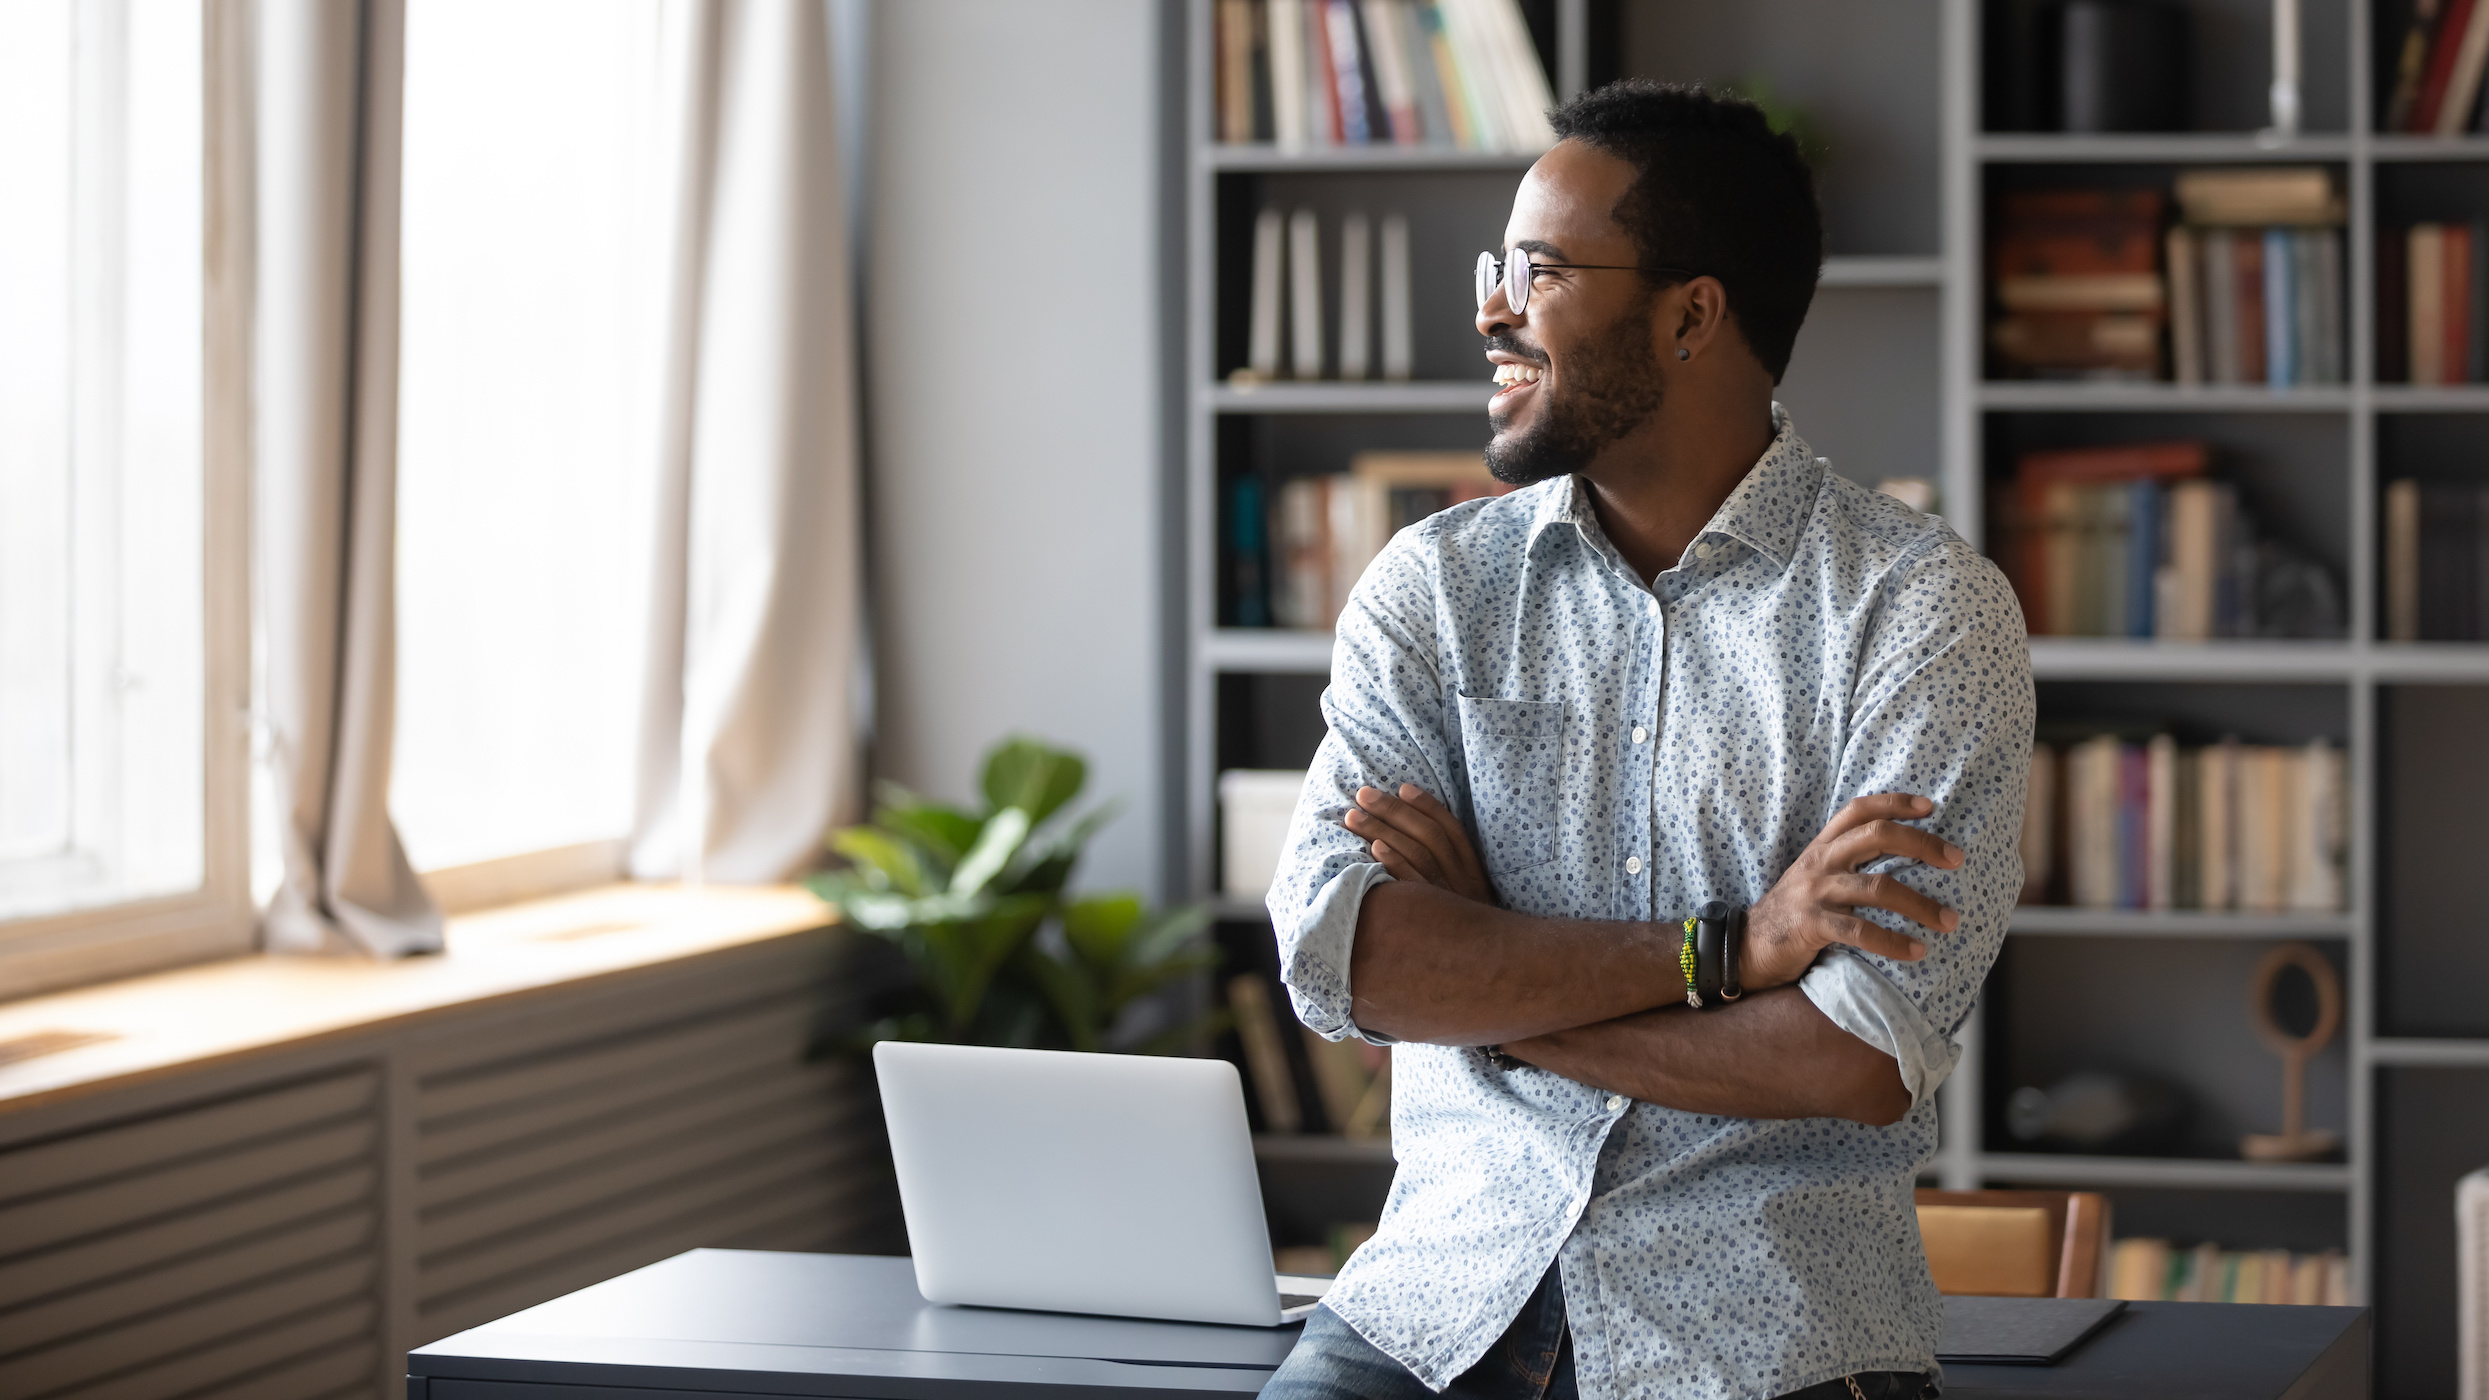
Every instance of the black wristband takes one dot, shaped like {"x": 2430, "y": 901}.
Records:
{"x": 1711, "y": 931}
{"x": 1732, "y": 949}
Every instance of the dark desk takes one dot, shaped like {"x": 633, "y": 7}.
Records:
{"x": 719, "y": 1324}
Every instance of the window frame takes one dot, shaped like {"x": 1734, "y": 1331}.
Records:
{"x": 217, "y": 919}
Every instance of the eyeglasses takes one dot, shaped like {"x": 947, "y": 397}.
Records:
{"x": 1514, "y": 274}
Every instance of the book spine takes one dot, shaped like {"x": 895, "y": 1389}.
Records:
{"x": 1269, "y": 267}
{"x": 2410, "y": 67}
{"x": 1458, "y": 108}
{"x": 1266, "y": 1056}
{"x": 1232, "y": 70}
{"x": 1248, "y": 521}
{"x": 1356, "y": 294}
{"x": 2134, "y": 833}
{"x": 1417, "y": 57}
{"x": 2454, "y": 114}
{"x": 2425, "y": 264}
{"x": 2143, "y": 556}
{"x": 1322, "y": 76}
{"x": 1521, "y": 77}
{"x": 2217, "y": 855}
{"x": 1285, "y": 30}
{"x": 1387, "y": 48}
{"x": 1347, "y": 72}
{"x": 2160, "y": 796}
{"x": 2281, "y": 319}
{"x": 2038, "y": 824}
{"x": 2306, "y": 302}
{"x": 1305, "y": 295}
{"x": 1265, "y": 109}
{"x": 2221, "y": 306}
{"x": 2186, "y": 308}
{"x": 1398, "y": 338}
{"x": 2439, "y": 72}
{"x": 2456, "y": 300}
{"x": 2251, "y": 294}
{"x": 2476, "y": 300}
{"x": 2402, "y": 561}
{"x": 1475, "y": 64}
{"x": 2333, "y": 296}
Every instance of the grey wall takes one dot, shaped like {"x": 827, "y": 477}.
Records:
{"x": 1011, "y": 365}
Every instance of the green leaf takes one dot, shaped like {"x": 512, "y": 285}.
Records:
{"x": 945, "y": 832}
{"x": 1046, "y": 864}
{"x": 1001, "y": 839}
{"x": 1033, "y": 776}
{"x": 886, "y": 862}
{"x": 1100, "y": 927}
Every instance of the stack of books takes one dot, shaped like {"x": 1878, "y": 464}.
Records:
{"x": 2436, "y": 563}
{"x": 1309, "y": 73}
{"x": 2078, "y": 284}
{"x": 1284, "y": 313}
{"x": 2154, "y": 1271}
{"x": 1351, "y": 1079}
{"x": 2256, "y": 278}
{"x": 1325, "y": 530}
{"x": 2135, "y": 541}
{"x": 2437, "y": 69}
{"x": 2433, "y": 303}
{"x": 2110, "y": 822}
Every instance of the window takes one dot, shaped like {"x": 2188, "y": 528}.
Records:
{"x": 120, "y": 624}
{"x": 527, "y": 429}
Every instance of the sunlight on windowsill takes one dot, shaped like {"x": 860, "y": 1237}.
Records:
{"x": 116, "y": 1034}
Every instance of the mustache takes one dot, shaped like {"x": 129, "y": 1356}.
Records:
{"x": 1511, "y": 346}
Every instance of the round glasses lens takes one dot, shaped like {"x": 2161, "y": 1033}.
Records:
{"x": 1517, "y": 280}
{"x": 1486, "y": 272}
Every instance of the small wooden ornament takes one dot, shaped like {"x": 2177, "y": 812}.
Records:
{"x": 2294, "y": 1143}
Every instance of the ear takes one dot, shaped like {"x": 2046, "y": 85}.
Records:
{"x": 1701, "y": 317}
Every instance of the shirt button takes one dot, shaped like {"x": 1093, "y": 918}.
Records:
{"x": 1615, "y": 1103}
{"x": 1654, "y": 607}
{"x": 1702, "y": 551}
{"x": 1640, "y": 734}
{"x": 1633, "y": 865}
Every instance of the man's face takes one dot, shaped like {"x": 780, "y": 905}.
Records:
{"x": 1578, "y": 369}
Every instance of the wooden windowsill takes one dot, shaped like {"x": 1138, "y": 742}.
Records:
{"x": 169, "y": 1022}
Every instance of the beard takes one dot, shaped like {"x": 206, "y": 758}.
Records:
{"x": 1613, "y": 386}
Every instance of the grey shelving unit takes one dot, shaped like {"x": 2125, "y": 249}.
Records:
{"x": 1889, "y": 380}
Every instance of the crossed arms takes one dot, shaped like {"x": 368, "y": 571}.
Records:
{"x": 1602, "y": 1003}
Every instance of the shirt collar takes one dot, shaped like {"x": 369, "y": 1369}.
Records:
{"x": 1765, "y": 512}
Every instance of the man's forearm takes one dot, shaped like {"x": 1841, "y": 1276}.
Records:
{"x": 1767, "y": 1055}
{"x": 1431, "y": 966}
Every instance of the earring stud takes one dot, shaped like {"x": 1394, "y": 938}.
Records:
{"x": 1684, "y": 354}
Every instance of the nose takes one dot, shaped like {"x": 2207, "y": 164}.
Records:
{"x": 1497, "y": 317}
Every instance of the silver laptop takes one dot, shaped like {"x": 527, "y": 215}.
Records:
{"x": 1115, "y": 1184}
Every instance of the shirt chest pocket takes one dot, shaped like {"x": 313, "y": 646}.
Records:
{"x": 1515, "y": 753}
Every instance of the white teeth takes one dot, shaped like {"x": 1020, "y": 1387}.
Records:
{"x": 1517, "y": 374}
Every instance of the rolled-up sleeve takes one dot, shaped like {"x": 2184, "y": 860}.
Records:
{"x": 1943, "y": 708}
{"x": 1384, "y": 708}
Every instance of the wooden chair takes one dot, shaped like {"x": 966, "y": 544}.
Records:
{"x": 2017, "y": 1244}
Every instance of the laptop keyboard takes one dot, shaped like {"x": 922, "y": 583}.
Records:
{"x": 1296, "y": 1300}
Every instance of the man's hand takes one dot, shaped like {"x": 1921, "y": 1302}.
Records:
{"x": 1417, "y": 838}
{"x": 1811, "y": 907}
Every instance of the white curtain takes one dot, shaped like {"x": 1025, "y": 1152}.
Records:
{"x": 748, "y": 742}
{"x": 324, "y": 424}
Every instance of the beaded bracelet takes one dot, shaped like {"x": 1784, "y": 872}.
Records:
{"x": 1686, "y": 964}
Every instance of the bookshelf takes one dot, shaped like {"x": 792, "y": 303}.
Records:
{"x": 1889, "y": 379}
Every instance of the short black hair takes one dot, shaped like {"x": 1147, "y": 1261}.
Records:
{"x": 1715, "y": 190}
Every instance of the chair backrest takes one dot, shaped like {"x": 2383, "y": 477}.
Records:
{"x": 2016, "y": 1244}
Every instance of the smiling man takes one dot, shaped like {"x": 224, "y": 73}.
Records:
{"x": 1688, "y": 664}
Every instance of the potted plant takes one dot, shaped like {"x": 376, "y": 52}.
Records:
{"x": 997, "y": 952}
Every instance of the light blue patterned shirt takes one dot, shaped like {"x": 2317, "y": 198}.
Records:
{"x": 1626, "y": 751}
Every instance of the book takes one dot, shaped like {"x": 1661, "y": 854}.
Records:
{"x": 1305, "y": 358}
{"x": 2410, "y": 66}
{"x": 1301, "y": 546}
{"x": 1284, "y": 33}
{"x": 2216, "y": 841}
{"x": 1347, "y": 69}
{"x": 1248, "y": 554}
{"x": 1388, "y": 50}
{"x": 2462, "y": 95}
{"x": 2244, "y": 196}
{"x": 2315, "y": 857}
{"x": 1417, "y": 60}
{"x": 1393, "y": 283}
{"x": 1460, "y": 104}
{"x": 2220, "y": 307}
{"x": 1263, "y": 319}
{"x": 2438, "y": 72}
{"x": 1234, "y": 71}
{"x": 2402, "y": 561}
{"x": 1327, "y": 529}
{"x": 2093, "y": 777}
{"x": 2248, "y": 257}
{"x": 1265, "y": 1053}
{"x": 2160, "y": 823}
{"x": 2193, "y": 553}
{"x": 1356, "y": 293}
{"x": 2186, "y": 308}
{"x": 2281, "y": 317}
{"x": 1323, "y": 117}
{"x": 2425, "y": 282}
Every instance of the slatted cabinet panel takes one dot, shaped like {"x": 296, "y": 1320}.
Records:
{"x": 225, "y": 1248}
{"x": 553, "y": 1152}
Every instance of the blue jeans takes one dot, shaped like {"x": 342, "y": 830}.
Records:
{"x": 1533, "y": 1360}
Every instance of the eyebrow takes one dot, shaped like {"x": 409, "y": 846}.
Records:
{"x": 1540, "y": 245}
